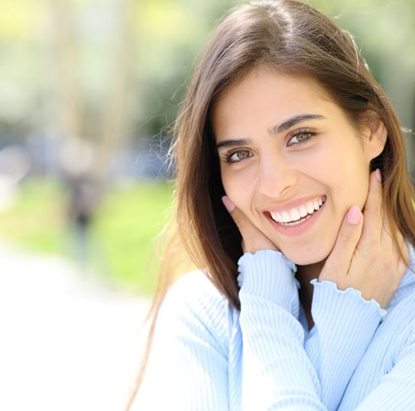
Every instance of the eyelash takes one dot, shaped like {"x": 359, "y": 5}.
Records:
{"x": 302, "y": 132}
{"x": 229, "y": 154}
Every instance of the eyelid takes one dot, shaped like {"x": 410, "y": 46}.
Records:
{"x": 302, "y": 130}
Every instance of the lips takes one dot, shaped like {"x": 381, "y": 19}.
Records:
{"x": 299, "y": 213}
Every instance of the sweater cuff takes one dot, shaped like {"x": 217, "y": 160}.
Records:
{"x": 268, "y": 274}
{"x": 331, "y": 304}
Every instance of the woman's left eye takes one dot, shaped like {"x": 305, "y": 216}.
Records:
{"x": 300, "y": 137}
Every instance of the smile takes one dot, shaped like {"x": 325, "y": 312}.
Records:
{"x": 299, "y": 214}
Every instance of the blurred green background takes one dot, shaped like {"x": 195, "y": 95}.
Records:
{"x": 87, "y": 89}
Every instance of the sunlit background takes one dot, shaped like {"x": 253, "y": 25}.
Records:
{"x": 88, "y": 89}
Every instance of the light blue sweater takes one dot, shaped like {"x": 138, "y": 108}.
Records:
{"x": 209, "y": 356}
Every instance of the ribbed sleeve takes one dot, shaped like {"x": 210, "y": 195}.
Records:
{"x": 269, "y": 275}
{"x": 344, "y": 325}
{"x": 396, "y": 390}
{"x": 277, "y": 372}
{"x": 188, "y": 367}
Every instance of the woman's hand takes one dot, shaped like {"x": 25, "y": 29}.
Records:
{"x": 253, "y": 240}
{"x": 364, "y": 256}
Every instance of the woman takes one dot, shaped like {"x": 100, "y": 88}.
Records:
{"x": 294, "y": 201}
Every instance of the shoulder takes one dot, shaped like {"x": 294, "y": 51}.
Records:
{"x": 194, "y": 285}
{"x": 193, "y": 304}
{"x": 189, "y": 350}
{"x": 197, "y": 292}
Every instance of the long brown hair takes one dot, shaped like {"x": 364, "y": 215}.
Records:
{"x": 296, "y": 39}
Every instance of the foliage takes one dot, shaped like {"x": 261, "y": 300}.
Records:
{"x": 126, "y": 230}
{"x": 122, "y": 237}
{"x": 36, "y": 219}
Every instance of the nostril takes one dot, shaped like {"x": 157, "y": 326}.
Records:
{"x": 277, "y": 177}
{"x": 273, "y": 188}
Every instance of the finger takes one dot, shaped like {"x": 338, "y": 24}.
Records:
{"x": 339, "y": 260}
{"x": 229, "y": 205}
{"x": 235, "y": 213}
{"x": 244, "y": 225}
{"x": 252, "y": 239}
{"x": 373, "y": 211}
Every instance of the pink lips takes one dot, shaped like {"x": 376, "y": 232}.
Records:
{"x": 298, "y": 227}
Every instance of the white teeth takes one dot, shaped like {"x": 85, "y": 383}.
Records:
{"x": 303, "y": 211}
{"x": 310, "y": 208}
{"x": 295, "y": 214}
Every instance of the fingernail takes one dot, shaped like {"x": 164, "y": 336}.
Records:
{"x": 228, "y": 204}
{"x": 353, "y": 216}
{"x": 378, "y": 175}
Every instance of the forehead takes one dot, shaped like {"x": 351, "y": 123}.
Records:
{"x": 267, "y": 95}
{"x": 265, "y": 80}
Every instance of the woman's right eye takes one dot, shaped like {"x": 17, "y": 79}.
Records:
{"x": 237, "y": 156}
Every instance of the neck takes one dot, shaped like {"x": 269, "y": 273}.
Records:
{"x": 305, "y": 273}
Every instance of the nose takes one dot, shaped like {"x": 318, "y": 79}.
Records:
{"x": 276, "y": 176}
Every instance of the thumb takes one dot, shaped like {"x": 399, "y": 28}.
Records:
{"x": 338, "y": 262}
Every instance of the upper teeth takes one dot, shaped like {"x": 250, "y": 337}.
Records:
{"x": 299, "y": 212}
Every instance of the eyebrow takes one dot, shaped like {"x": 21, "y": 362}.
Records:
{"x": 287, "y": 124}
{"x": 233, "y": 143}
{"x": 279, "y": 128}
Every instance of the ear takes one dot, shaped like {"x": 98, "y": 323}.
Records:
{"x": 375, "y": 135}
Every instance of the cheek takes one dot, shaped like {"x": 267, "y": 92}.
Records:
{"x": 350, "y": 181}
{"x": 343, "y": 164}
{"x": 237, "y": 188}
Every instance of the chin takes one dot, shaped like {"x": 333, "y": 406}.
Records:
{"x": 309, "y": 256}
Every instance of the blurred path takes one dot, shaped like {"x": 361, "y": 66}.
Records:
{"x": 65, "y": 343}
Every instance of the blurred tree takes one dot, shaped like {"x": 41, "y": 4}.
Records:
{"x": 169, "y": 36}
{"x": 116, "y": 120}
{"x": 19, "y": 83}
{"x": 101, "y": 126}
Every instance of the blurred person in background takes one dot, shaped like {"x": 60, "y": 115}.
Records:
{"x": 83, "y": 200}
{"x": 295, "y": 204}
{"x": 83, "y": 194}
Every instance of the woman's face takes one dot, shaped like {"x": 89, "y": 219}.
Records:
{"x": 291, "y": 160}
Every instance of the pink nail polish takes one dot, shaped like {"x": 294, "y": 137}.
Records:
{"x": 228, "y": 204}
{"x": 353, "y": 216}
